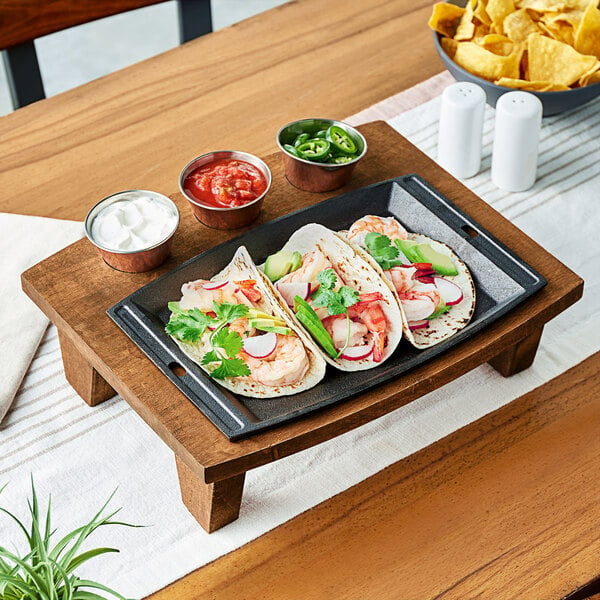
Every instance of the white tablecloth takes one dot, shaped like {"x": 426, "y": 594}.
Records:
{"x": 80, "y": 454}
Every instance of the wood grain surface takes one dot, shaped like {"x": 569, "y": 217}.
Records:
{"x": 88, "y": 288}
{"x": 504, "y": 509}
{"x": 137, "y": 128}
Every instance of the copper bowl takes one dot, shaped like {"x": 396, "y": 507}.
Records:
{"x": 314, "y": 176}
{"x": 136, "y": 260}
{"x": 227, "y": 217}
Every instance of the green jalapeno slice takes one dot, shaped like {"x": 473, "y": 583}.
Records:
{"x": 340, "y": 160}
{"x": 291, "y": 150}
{"x": 341, "y": 140}
{"x": 314, "y": 149}
{"x": 303, "y": 137}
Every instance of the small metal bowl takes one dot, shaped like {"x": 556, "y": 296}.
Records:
{"x": 138, "y": 260}
{"x": 314, "y": 176}
{"x": 225, "y": 218}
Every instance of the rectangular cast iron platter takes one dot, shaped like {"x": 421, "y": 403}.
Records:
{"x": 502, "y": 280}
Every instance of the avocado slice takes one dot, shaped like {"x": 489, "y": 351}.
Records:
{"x": 268, "y": 322}
{"x": 281, "y": 263}
{"x": 407, "y": 248}
{"x": 440, "y": 310}
{"x": 441, "y": 263}
{"x": 275, "y": 329}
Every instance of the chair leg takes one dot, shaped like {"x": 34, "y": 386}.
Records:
{"x": 23, "y": 74}
{"x": 195, "y": 19}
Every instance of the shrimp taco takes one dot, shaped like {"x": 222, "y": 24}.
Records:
{"x": 233, "y": 327}
{"x": 432, "y": 284}
{"x": 337, "y": 297}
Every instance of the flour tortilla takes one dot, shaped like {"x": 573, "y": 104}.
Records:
{"x": 446, "y": 325}
{"x": 356, "y": 273}
{"x": 242, "y": 267}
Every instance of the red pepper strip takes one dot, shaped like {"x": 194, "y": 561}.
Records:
{"x": 247, "y": 288}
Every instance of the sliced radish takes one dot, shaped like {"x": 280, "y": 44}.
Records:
{"x": 260, "y": 346}
{"x": 425, "y": 278}
{"x": 214, "y": 285}
{"x": 357, "y": 352}
{"x": 419, "y": 309}
{"x": 422, "y": 324}
{"x": 450, "y": 292}
{"x": 290, "y": 290}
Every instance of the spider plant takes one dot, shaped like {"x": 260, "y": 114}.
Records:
{"x": 46, "y": 572}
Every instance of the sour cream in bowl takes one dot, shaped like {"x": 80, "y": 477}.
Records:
{"x": 133, "y": 230}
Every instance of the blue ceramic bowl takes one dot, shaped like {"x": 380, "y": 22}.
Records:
{"x": 553, "y": 102}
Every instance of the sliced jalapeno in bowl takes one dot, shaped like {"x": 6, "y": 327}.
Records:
{"x": 314, "y": 149}
{"x": 341, "y": 140}
{"x": 320, "y": 155}
{"x": 292, "y": 150}
{"x": 303, "y": 137}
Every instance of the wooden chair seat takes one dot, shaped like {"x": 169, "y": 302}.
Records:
{"x": 23, "y": 21}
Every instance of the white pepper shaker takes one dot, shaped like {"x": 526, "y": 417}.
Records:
{"x": 516, "y": 141}
{"x": 461, "y": 129}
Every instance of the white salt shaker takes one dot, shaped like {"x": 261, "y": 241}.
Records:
{"x": 516, "y": 141}
{"x": 461, "y": 129}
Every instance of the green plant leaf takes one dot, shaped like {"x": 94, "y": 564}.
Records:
{"x": 98, "y": 586}
{"x": 85, "y": 556}
{"x": 44, "y": 574}
{"x": 28, "y": 569}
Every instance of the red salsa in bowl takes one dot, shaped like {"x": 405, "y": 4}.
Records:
{"x": 225, "y": 183}
{"x": 225, "y": 188}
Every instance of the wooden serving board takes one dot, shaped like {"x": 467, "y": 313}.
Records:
{"x": 74, "y": 288}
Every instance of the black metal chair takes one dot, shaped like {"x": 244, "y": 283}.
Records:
{"x": 22, "y": 21}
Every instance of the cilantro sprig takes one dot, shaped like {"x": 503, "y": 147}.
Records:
{"x": 380, "y": 247}
{"x": 190, "y": 325}
{"x": 337, "y": 301}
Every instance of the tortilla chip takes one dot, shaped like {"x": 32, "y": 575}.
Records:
{"x": 543, "y": 6}
{"x": 496, "y": 43}
{"x": 480, "y": 13}
{"x": 532, "y": 86}
{"x": 449, "y": 45}
{"x": 518, "y": 26}
{"x": 587, "y": 34}
{"x": 486, "y": 64}
{"x": 445, "y": 18}
{"x": 466, "y": 27}
{"x": 550, "y": 60}
{"x": 590, "y": 78}
{"x": 557, "y": 30}
{"x": 498, "y": 10}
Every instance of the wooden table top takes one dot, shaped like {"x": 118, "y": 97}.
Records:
{"x": 505, "y": 508}
{"x": 510, "y": 494}
{"x": 136, "y": 128}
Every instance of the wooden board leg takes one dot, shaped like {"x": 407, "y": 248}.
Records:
{"x": 86, "y": 381}
{"x": 213, "y": 505}
{"x": 518, "y": 357}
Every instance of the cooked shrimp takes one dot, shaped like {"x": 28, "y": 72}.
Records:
{"x": 312, "y": 264}
{"x": 195, "y": 296}
{"x": 285, "y": 366}
{"x": 337, "y": 326}
{"x": 402, "y": 278}
{"x": 369, "y": 311}
{"x": 420, "y": 301}
{"x": 369, "y": 223}
{"x": 242, "y": 326}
